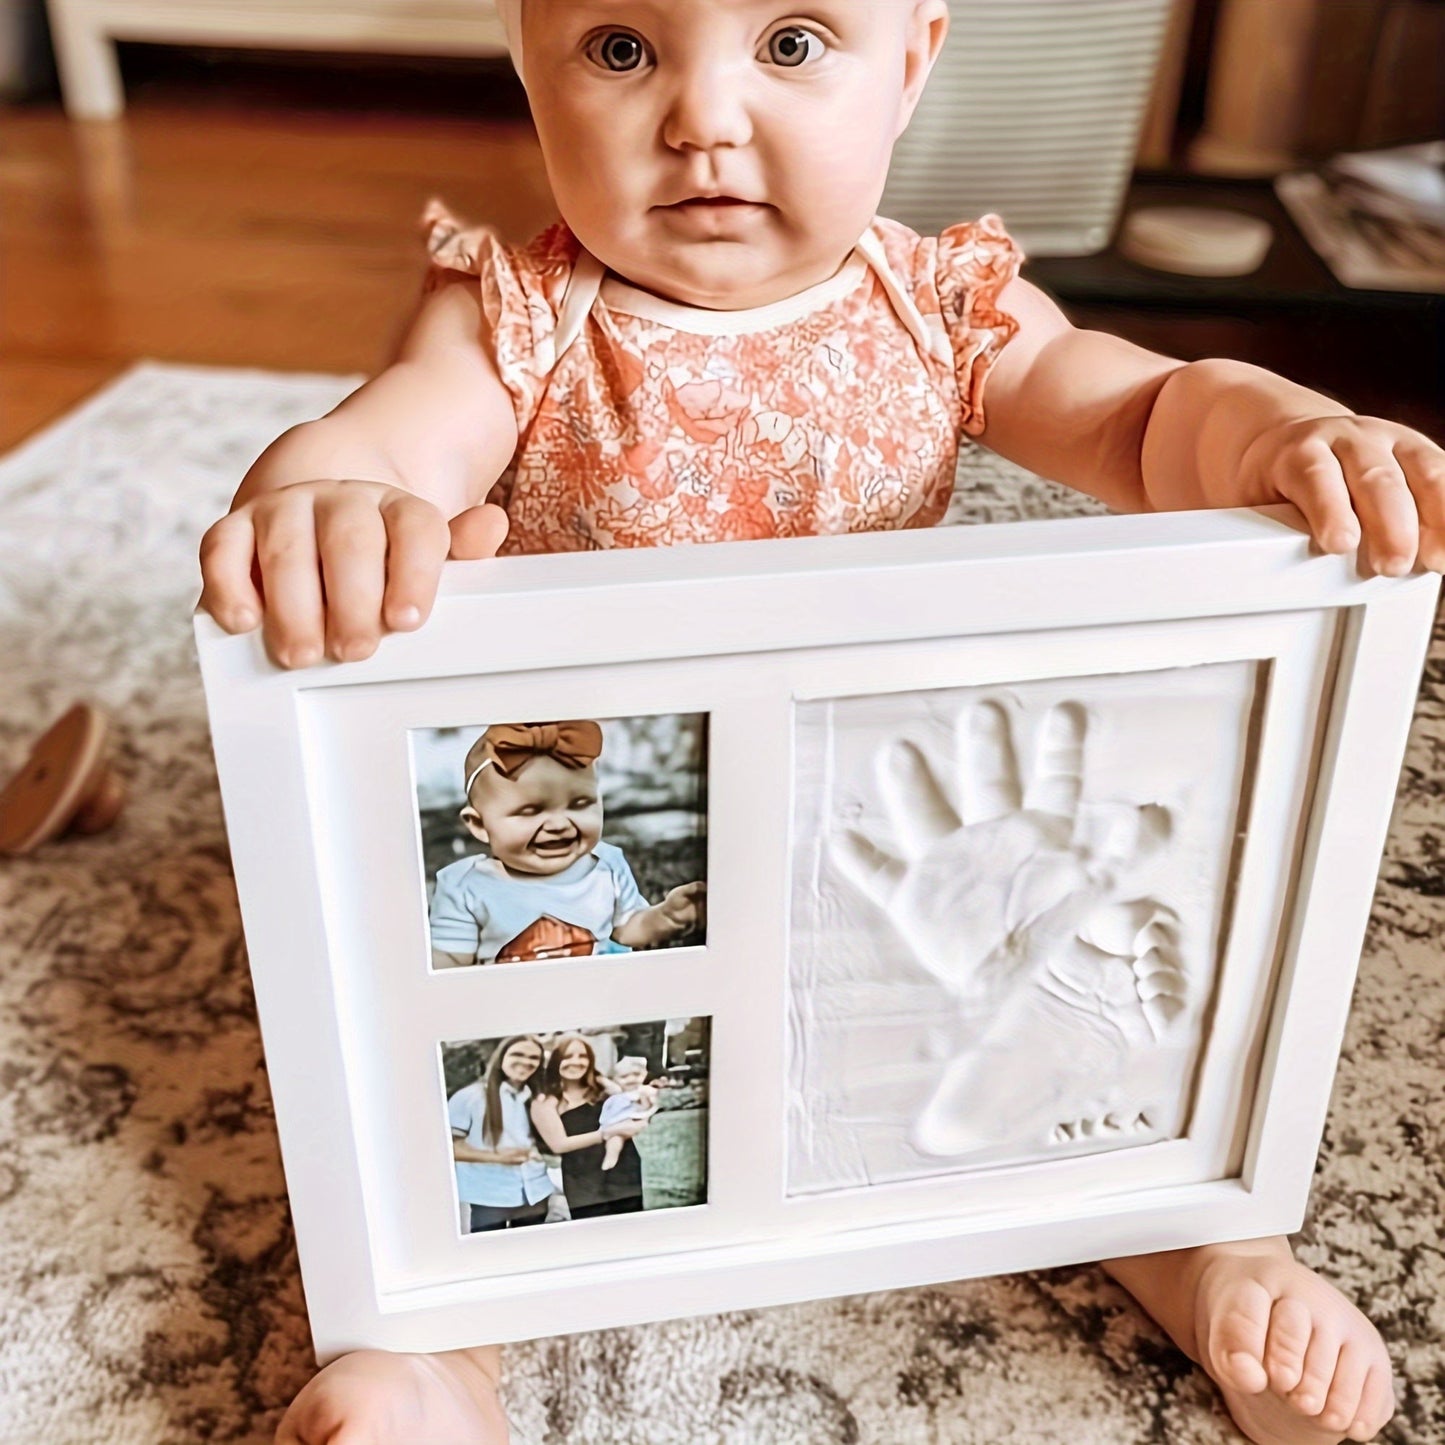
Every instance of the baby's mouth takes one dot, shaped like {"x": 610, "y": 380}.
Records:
{"x": 711, "y": 203}
{"x": 554, "y": 847}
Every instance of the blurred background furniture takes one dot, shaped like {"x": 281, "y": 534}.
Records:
{"x": 1295, "y": 80}
{"x": 1034, "y": 111}
{"x": 86, "y": 32}
{"x": 25, "y": 61}
{"x": 1381, "y": 352}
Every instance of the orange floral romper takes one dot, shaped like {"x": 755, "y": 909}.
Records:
{"x": 643, "y": 422}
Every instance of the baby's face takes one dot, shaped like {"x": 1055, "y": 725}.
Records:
{"x": 723, "y": 153}
{"x": 631, "y": 1079}
{"x": 542, "y": 821}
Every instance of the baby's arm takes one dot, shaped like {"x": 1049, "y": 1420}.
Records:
{"x": 1146, "y": 433}
{"x": 548, "y": 1122}
{"x": 455, "y": 919}
{"x": 339, "y": 530}
{"x": 678, "y": 913}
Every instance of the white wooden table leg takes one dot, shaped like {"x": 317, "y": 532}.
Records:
{"x": 89, "y": 71}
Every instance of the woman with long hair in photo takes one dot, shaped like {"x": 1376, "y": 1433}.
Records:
{"x": 567, "y": 1114}
{"x": 500, "y": 1174}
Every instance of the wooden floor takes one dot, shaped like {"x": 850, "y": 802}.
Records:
{"x": 261, "y": 213}
{"x": 245, "y": 224}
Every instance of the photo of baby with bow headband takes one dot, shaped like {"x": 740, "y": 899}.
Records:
{"x": 548, "y": 885}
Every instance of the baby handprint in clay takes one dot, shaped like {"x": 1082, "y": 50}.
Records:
{"x": 1013, "y": 892}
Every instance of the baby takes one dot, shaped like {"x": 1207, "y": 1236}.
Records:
{"x": 635, "y": 1101}
{"x": 551, "y": 887}
{"x": 721, "y": 340}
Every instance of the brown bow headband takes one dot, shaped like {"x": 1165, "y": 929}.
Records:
{"x": 509, "y": 747}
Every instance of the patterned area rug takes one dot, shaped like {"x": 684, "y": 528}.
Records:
{"x": 148, "y": 1290}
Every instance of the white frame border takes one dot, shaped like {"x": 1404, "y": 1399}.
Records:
{"x": 751, "y": 599}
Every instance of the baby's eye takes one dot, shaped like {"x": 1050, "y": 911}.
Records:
{"x": 792, "y": 46}
{"x": 583, "y": 802}
{"x": 528, "y": 810}
{"x": 619, "y": 51}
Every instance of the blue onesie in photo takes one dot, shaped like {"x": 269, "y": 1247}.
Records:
{"x": 482, "y": 910}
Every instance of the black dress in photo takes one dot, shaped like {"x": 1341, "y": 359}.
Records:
{"x": 592, "y": 1191}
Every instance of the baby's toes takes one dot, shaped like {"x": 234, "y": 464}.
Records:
{"x": 1322, "y": 1359}
{"x": 1237, "y": 1334}
{"x": 1291, "y": 1332}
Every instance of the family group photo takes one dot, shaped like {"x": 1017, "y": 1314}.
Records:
{"x": 578, "y": 1124}
{"x": 545, "y": 840}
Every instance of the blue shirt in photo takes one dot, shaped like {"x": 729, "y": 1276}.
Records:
{"x": 503, "y": 1186}
{"x": 479, "y": 908}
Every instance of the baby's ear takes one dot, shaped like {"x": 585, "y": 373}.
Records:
{"x": 472, "y": 822}
{"x": 927, "y": 30}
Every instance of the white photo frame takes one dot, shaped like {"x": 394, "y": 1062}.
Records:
{"x": 1317, "y": 668}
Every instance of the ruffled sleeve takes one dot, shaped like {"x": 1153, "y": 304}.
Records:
{"x": 973, "y": 263}
{"x": 522, "y": 290}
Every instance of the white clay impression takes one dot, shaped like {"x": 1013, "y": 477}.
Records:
{"x": 1007, "y": 911}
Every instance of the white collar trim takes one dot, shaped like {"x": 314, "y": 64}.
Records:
{"x": 617, "y": 295}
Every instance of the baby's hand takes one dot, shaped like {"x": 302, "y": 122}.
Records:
{"x": 326, "y": 567}
{"x": 684, "y": 907}
{"x": 1358, "y": 479}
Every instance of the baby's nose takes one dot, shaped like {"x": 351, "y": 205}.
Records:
{"x": 707, "y": 109}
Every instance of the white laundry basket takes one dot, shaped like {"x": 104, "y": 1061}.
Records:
{"x": 1034, "y": 111}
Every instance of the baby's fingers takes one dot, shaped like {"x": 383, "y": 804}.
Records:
{"x": 1424, "y": 466}
{"x": 1315, "y": 483}
{"x": 417, "y": 542}
{"x": 227, "y": 551}
{"x": 478, "y": 532}
{"x": 351, "y": 539}
{"x": 1384, "y": 505}
{"x": 686, "y": 902}
{"x": 291, "y": 581}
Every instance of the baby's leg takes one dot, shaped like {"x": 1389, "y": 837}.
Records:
{"x": 1296, "y": 1362}
{"x": 376, "y": 1398}
{"x": 612, "y": 1151}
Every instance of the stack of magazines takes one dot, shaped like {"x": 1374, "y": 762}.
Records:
{"x": 1377, "y": 218}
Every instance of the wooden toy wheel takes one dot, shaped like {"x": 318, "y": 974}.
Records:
{"x": 66, "y": 784}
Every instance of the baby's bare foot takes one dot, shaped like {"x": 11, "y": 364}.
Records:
{"x": 376, "y": 1398}
{"x": 1296, "y": 1362}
